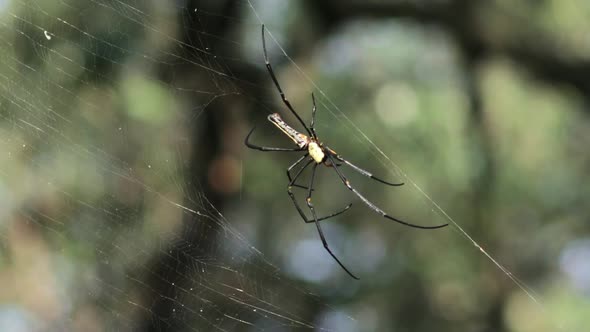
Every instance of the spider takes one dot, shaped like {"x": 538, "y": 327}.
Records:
{"x": 316, "y": 153}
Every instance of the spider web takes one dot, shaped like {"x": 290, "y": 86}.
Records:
{"x": 102, "y": 213}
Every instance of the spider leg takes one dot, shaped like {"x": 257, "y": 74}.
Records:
{"x": 292, "y": 166}
{"x": 317, "y": 223}
{"x": 373, "y": 206}
{"x": 313, "y": 110}
{"x": 295, "y": 164}
{"x": 265, "y": 148}
{"x": 292, "y": 196}
{"x": 278, "y": 86}
{"x": 299, "y": 186}
{"x": 366, "y": 173}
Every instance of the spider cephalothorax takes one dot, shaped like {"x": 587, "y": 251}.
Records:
{"x": 316, "y": 153}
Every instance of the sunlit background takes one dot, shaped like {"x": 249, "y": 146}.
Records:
{"x": 129, "y": 202}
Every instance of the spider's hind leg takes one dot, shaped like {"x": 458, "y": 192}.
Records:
{"x": 292, "y": 196}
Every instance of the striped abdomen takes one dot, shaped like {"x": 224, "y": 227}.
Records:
{"x": 300, "y": 139}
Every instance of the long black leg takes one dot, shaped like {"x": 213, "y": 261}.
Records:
{"x": 313, "y": 110}
{"x": 371, "y": 205}
{"x": 292, "y": 166}
{"x": 317, "y": 223}
{"x": 301, "y": 213}
{"x": 278, "y": 86}
{"x": 264, "y": 148}
{"x": 366, "y": 173}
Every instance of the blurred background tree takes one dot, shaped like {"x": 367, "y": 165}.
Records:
{"x": 129, "y": 201}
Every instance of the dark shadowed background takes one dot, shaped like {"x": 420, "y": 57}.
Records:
{"x": 128, "y": 201}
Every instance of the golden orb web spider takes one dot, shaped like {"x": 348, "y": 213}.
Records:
{"x": 316, "y": 153}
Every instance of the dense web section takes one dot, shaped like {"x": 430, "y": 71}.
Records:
{"x": 57, "y": 79}
{"x": 105, "y": 193}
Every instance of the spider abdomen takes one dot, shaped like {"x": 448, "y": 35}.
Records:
{"x": 316, "y": 152}
{"x": 300, "y": 139}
